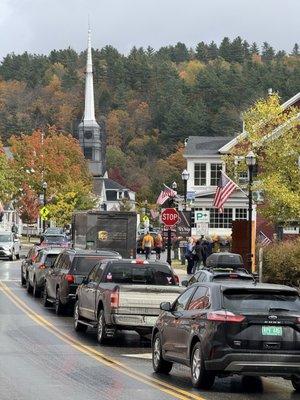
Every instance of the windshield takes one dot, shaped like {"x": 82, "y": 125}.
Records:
{"x": 50, "y": 258}
{"x": 5, "y": 238}
{"x": 55, "y": 239}
{"x": 247, "y": 300}
{"x": 84, "y": 264}
{"x": 136, "y": 274}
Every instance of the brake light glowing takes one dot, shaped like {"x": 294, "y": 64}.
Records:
{"x": 224, "y": 316}
{"x": 114, "y": 299}
{"x": 42, "y": 266}
{"x": 176, "y": 277}
{"x": 139, "y": 262}
{"x": 70, "y": 278}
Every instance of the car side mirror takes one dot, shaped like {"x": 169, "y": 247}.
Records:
{"x": 166, "y": 306}
{"x": 185, "y": 283}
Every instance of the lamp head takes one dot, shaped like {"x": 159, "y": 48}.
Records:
{"x": 185, "y": 175}
{"x": 250, "y": 159}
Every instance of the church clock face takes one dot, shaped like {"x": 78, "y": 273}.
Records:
{"x": 88, "y": 134}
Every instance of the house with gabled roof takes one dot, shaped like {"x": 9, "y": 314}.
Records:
{"x": 205, "y": 160}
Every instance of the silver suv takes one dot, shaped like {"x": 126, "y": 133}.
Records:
{"x": 9, "y": 245}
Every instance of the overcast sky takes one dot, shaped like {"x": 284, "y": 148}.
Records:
{"x": 39, "y": 26}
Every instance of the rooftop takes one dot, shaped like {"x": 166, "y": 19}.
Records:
{"x": 205, "y": 145}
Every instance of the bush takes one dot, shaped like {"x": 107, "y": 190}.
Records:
{"x": 281, "y": 263}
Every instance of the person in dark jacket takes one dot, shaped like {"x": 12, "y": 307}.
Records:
{"x": 189, "y": 255}
{"x": 198, "y": 255}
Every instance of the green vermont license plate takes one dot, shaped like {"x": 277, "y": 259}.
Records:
{"x": 271, "y": 330}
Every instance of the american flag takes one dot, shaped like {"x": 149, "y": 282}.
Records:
{"x": 263, "y": 239}
{"x": 165, "y": 195}
{"x": 225, "y": 187}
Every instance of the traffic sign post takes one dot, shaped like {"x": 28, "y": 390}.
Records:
{"x": 169, "y": 217}
{"x": 44, "y": 213}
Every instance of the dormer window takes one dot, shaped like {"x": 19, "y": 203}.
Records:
{"x": 215, "y": 173}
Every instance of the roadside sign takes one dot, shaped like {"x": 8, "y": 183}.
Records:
{"x": 169, "y": 217}
{"x": 190, "y": 195}
{"x": 41, "y": 199}
{"x": 202, "y": 228}
{"x": 44, "y": 213}
{"x": 183, "y": 228}
{"x": 201, "y": 216}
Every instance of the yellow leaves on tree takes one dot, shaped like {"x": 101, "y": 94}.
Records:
{"x": 190, "y": 70}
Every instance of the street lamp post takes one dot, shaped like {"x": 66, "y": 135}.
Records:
{"x": 250, "y": 161}
{"x": 45, "y": 202}
{"x": 185, "y": 177}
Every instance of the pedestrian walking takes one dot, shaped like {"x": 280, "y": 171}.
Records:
{"x": 190, "y": 256}
{"x": 198, "y": 256}
{"x": 147, "y": 244}
{"x": 158, "y": 244}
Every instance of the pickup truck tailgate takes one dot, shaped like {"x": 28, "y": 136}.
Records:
{"x": 145, "y": 300}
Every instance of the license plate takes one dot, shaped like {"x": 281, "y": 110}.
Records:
{"x": 271, "y": 330}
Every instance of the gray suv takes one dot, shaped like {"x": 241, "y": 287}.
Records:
{"x": 9, "y": 245}
{"x": 36, "y": 271}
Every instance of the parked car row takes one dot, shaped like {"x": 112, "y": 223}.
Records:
{"x": 222, "y": 323}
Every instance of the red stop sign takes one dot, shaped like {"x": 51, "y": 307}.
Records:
{"x": 169, "y": 216}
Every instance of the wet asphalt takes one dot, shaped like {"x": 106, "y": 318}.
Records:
{"x": 38, "y": 363}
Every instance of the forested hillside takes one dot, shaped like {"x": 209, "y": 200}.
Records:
{"x": 152, "y": 100}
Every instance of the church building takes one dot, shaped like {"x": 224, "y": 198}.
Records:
{"x": 92, "y": 139}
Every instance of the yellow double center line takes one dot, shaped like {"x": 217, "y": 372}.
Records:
{"x": 97, "y": 355}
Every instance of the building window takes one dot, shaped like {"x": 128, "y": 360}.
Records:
{"x": 241, "y": 213}
{"x": 88, "y": 153}
{"x": 200, "y": 174}
{"x": 220, "y": 220}
{"x": 243, "y": 178}
{"x": 215, "y": 173}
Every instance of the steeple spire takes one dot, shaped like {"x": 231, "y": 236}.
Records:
{"x": 89, "y": 106}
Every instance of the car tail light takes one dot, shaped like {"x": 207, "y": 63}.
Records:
{"x": 114, "y": 299}
{"x": 42, "y": 266}
{"x": 176, "y": 277}
{"x": 224, "y": 316}
{"x": 139, "y": 262}
{"x": 233, "y": 276}
{"x": 70, "y": 278}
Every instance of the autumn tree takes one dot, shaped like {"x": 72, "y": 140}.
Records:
{"x": 273, "y": 133}
{"x": 57, "y": 159}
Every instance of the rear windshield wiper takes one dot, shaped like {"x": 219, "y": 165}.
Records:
{"x": 280, "y": 309}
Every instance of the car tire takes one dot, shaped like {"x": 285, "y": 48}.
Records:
{"x": 160, "y": 365}
{"x": 77, "y": 325}
{"x": 29, "y": 288}
{"x": 23, "y": 280}
{"x": 296, "y": 383}
{"x": 101, "y": 328}
{"x": 200, "y": 377}
{"x": 46, "y": 302}
{"x": 35, "y": 291}
{"x": 59, "y": 307}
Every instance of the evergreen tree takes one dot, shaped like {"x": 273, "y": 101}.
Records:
{"x": 254, "y": 49}
{"x": 237, "y": 50}
{"x": 268, "y": 53}
{"x": 295, "y": 51}
{"x": 212, "y": 51}
{"x": 180, "y": 53}
{"x": 246, "y": 50}
{"x": 225, "y": 49}
{"x": 202, "y": 52}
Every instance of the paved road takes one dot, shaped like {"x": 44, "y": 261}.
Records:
{"x": 41, "y": 357}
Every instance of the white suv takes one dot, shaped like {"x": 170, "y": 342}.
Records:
{"x": 9, "y": 245}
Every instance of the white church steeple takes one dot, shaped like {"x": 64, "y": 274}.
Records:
{"x": 90, "y": 136}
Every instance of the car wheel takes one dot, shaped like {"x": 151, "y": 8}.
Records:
{"x": 59, "y": 307}
{"x": 77, "y": 325}
{"x": 46, "y": 302}
{"x": 36, "y": 291}
{"x": 199, "y": 376}
{"x": 101, "y": 328}
{"x": 159, "y": 364}
{"x": 23, "y": 280}
{"x": 28, "y": 285}
{"x": 296, "y": 383}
